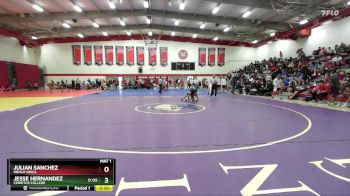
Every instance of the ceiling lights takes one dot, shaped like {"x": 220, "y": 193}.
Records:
{"x": 122, "y": 22}
{"x": 246, "y": 14}
{"x": 303, "y": 21}
{"x": 182, "y": 5}
{"x": 169, "y": 3}
{"x": 80, "y": 35}
{"x": 111, "y": 4}
{"x": 215, "y": 10}
{"x": 227, "y": 29}
{"x": 77, "y": 8}
{"x": 202, "y": 26}
{"x": 65, "y": 25}
{"x": 150, "y": 33}
{"x": 105, "y": 34}
{"x": 148, "y": 20}
{"x": 173, "y": 33}
{"x": 215, "y": 38}
{"x": 34, "y": 37}
{"x": 194, "y": 36}
{"x": 146, "y": 4}
{"x": 348, "y": 3}
{"x": 272, "y": 34}
{"x": 177, "y": 22}
{"x": 128, "y": 33}
{"x": 37, "y": 8}
{"x": 95, "y": 25}
{"x": 255, "y": 41}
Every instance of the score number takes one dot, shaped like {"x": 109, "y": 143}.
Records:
{"x": 106, "y": 170}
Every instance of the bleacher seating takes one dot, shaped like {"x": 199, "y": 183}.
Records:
{"x": 310, "y": 69}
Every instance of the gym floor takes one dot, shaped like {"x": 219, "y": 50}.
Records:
{"x": 224, "y": 145}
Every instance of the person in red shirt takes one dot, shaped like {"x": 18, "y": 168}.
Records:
{"x": 320, "y": 92}
{"x": 345, "y": 95}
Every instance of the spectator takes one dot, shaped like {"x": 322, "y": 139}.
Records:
{"x": 345, "y": 95}
{"x": 28, "y": 86}
{"x": 299, "y": 88}
{"x": 277, "y": 86}
{"x": 13, "y": 84}
{"x": 330, "y": 51}
{"x": 36, "y": 85}
{"x": 335, "y": 87}
{"x": 336, "y": 60}
{"x": 320, "y": 92}
{"x": 77, "y": 85}
{"x": 291, "y": 87}
{"x": 73, "y": 84}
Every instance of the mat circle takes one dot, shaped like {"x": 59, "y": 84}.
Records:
{"x": 254, "y": 146}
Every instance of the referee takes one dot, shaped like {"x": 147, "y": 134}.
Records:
{"x": 214, "y": 87}
{"x": 160, "y": 83}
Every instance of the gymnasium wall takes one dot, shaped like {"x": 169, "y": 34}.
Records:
{"x": 57, "y": 59}
{"x": 324, "y": 36}
{"x": 12, "y": 51}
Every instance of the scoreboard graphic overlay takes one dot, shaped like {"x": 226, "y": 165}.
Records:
{"x": 61, "y": 174}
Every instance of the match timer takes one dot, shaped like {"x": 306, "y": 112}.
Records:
{"x": 61, "y": 174}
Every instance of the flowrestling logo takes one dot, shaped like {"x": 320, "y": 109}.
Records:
{"x": 165, "y": 108}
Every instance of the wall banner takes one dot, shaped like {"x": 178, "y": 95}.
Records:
{"x": 221, "y": 56}
{"x": 202, "y": 56}
{"x": 87, "y": 55}
{"x": 130, "y": 55}
{"x": 109, "y": 55}
{"x": 163, "y": 56}
{"x": 76, "y": 54}
{"x": 140, "y": 53}
{"x": 152, "y": 53}
{"x": 119, "y": 51}
{"x": 98, "y": 55}
{"x": 211, "y": 56}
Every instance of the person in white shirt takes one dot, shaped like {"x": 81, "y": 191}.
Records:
{"x": 223, "y": 84}
{"x": 277, "y": 86}
{"x": 336, "y": 59}
{"x": 330, "y": 50}
{"x": 210, "y": 86}
{"x": 195, "y": 81}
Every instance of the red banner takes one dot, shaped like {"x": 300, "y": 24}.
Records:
{"x": 221, "y": 56}
{"x": 109, "y": 55}
{"x": 76, "y": 54}
{"x": 140, "y": 53}
{"x": 98, "y": 55}
{"x": 202, "y": 59}
{"x": 120, "y": 54}
{"x": 130, "y": 59}
{"x": 87, "y": 55}
{"x": 152, "y": 54}
{"x": 163, "y": 56}
{"x": 211, "y": 56}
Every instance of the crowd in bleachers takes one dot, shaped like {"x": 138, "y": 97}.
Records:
{"x": 323, "y": 75}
